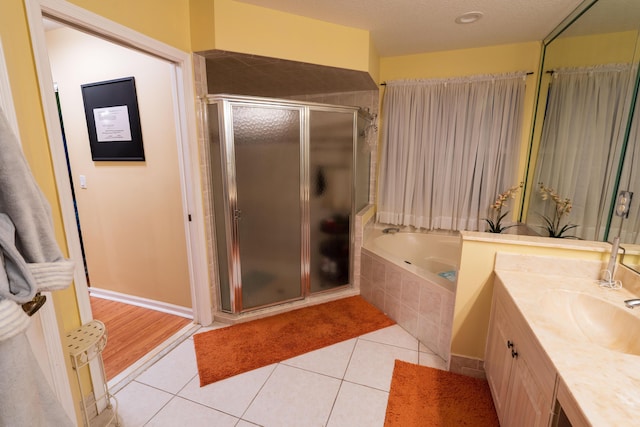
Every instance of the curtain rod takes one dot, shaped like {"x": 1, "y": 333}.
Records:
{"x": 528, "y": 74}
{"x": 605, "y": 67}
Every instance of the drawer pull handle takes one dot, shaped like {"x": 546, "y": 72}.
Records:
{"x": 514, "y": 354}
{"x": 509, "y": 344}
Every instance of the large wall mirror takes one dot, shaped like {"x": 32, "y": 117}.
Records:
{"x": 586, "y": 139}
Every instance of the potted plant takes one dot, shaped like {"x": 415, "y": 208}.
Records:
{"x": 563, "y": 206}
{"x": 495, "y": 223}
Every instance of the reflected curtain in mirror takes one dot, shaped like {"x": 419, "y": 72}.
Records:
{"x": 630, "y": 181}
{"x": 449, "y": 146}
{"x": 581, "y": 142}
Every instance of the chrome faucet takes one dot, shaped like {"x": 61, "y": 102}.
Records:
{"x": 631, "y": 303}
{"x": 391, "y": 230}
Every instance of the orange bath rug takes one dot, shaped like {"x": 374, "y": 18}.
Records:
{"x": 222, "y": 353}
{"x": 423, "y": 396}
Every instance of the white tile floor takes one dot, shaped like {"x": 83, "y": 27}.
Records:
{"x": 346, "y": 384}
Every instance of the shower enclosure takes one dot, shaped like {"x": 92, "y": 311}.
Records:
{"x": 283, "y": 190}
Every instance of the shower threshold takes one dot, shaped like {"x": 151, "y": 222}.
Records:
{"x": 317, "y": 298}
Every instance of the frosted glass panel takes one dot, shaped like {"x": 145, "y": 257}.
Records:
{"x": 330, "y": 168}
{"x": 216, "y": 177}
{"x": 267, "y": 159}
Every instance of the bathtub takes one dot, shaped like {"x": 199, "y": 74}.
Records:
{"x": 412, "y": 278}
{"x": 432, "y": 255}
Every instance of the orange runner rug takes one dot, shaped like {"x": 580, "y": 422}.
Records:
{"x": 222, "y": 353}
{"x": 423, "y": 396}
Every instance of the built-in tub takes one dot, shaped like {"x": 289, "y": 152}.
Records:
{"x": 411, "y": 276}
{"x": 432, "y": 255}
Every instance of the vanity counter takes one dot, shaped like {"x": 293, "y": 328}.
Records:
{"x": 603, "y": 383}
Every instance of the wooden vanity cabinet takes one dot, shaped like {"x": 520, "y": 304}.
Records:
{"x": 573, "y": 415}
{"x": 520, "y": 374}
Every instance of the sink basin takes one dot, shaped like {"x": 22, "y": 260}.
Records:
{"x": 598, "y": 321}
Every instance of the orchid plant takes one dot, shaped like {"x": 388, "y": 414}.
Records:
{"x": 562, "y": 209}
{"x": 495, "y": 225}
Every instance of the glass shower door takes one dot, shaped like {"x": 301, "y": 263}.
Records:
{"x": 331, "y": 176}
{"x": 268, "y": 207}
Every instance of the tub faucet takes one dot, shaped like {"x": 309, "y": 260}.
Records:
{"x": 631, "y": 303}
{"x": 391, "y": 230}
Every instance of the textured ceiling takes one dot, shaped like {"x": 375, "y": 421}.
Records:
{"x": 401, "y": 27}
{"x": 238, "y": 74}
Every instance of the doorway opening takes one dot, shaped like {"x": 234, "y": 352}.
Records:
{"x": 185, "y": 151}
{"x": 128, "y": 215}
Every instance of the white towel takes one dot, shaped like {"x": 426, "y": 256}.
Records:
{"x": 32, "y": 262}
{"x": 26, "y": 209}
{"x": 13, "y": 319}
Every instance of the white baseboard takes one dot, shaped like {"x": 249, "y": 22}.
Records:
{"x": 164, "y": 307}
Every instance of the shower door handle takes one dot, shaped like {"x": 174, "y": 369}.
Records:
{"x": 237, "y": 214}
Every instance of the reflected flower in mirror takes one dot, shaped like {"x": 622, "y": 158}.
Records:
{"x": 495, "y": 223}
{"x": 562, "y": 208}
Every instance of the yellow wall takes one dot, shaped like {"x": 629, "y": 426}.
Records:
{"x": 130, "y": 212}
{"x": 166, "y": 21}
{"x": 244, "y": 28}
{"x": 374, "y": 62}
{"x": 198, "y": 25}
{"x": 15, "y": 38}
{"x": 584, "y": 51}
{"x": 462, "y": 62}
{"x": 202, "y": 25}
{"x": 14, "y": 33}
{"x": 466, "y": 62}
{"x": 475, "y": 285}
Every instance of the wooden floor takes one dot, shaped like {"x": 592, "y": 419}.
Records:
{"x": 132, "y": 332}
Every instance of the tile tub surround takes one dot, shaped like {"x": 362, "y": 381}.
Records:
{"x": 604, "y": 384}
{"x": 422, "y": 308}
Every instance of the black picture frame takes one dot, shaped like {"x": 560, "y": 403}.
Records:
{"x": 113, "y": 120}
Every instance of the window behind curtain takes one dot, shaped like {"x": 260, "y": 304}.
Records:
{"x": 449, "y": 147}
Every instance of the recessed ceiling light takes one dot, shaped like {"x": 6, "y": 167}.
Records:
{"x": 469, "y": 17}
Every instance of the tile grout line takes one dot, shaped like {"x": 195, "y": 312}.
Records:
{"x": 342, "y": 380}
{"x": 200, "y": 403}
{"x": 205, "y": 406}
{"x": 159, "y": 410}
{"x": 257, "y": 393}
{"x": 333, "y": 405}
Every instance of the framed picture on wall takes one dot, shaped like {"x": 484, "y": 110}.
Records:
{"x": 113, "y": 120}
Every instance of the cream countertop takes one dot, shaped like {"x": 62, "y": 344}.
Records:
{"x": 604, "y": 383}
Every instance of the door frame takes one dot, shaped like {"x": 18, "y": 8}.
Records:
{"x": 187, "y": 144}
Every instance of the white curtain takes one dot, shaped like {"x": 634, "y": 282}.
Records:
{"x": 630, "y": 181}
{"x": 581, "y": 144}
{"x": 450, "y": 146}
